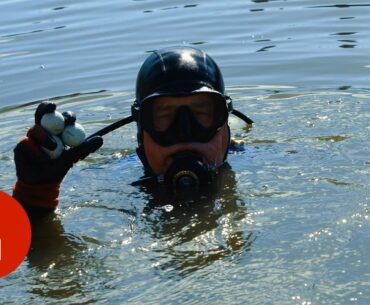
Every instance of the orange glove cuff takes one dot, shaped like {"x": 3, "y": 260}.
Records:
{"x": 38, "y": 196}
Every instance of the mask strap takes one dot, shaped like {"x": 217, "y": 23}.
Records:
{"x": 242, "y": 116}
{"x": 112, "y": 127}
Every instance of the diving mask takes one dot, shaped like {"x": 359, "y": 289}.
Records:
{"x": 193, "y": 119}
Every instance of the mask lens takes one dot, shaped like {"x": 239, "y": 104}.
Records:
{"x": 209, "y": 111}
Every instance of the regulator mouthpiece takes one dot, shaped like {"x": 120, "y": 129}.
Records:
{"x": 187, "y": 171}
{"x": 185, "y": 178}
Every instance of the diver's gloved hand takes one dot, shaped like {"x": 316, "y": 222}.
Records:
{"x": 39, "y": 176}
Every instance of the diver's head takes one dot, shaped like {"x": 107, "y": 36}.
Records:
{"x": 181, "y": 111}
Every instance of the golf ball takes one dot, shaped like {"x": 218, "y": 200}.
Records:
{"x": 73, "y": 135}
{"x": 53, "y": 122}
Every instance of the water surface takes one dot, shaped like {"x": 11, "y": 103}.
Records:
{"x": 290, "y": 224}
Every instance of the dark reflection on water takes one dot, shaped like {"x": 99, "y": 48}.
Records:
{"x": 344, "y": 33}
{"x": 344, "y": 87}
{"x": 34, "y": 31}
{"x": 340, "y": 5}
{"x": 53, "y": 253}
{"x": 171, "y": 8}
{"x": 349, "y": 43}
{"x": 198, "y": 42}
{"x": 198, "y": 228}
{"x": 347, "y": 46}
{"x": 262, "y": 40}
{"x": 265, "y": 48}
{"x": 261, "y": 1}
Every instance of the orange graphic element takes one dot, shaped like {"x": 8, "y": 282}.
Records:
{"x": 15, "y": 234}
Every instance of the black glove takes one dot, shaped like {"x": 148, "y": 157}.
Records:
{"x": 38, "y": 175}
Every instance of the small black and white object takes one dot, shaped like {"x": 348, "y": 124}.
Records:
{"x": 74, "y": 133}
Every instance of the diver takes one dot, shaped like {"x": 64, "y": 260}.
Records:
{"x": 181, "y": 111}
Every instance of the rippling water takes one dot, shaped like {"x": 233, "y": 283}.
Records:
{"x": 290, "y": 224}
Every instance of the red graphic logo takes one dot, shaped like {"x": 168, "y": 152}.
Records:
{"x": 15, "y": 234}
